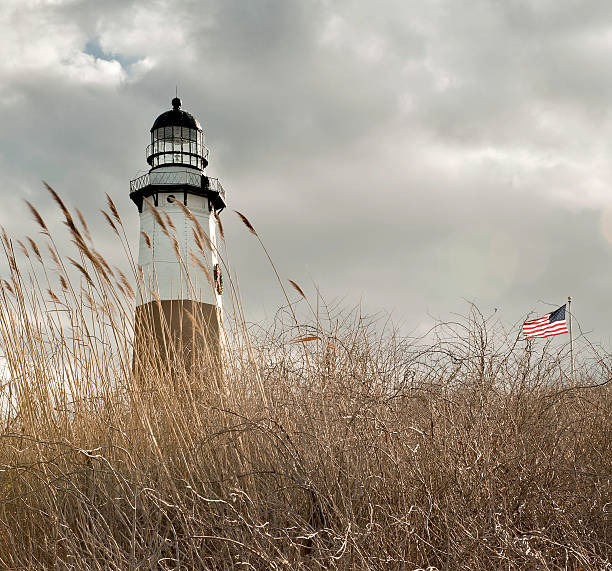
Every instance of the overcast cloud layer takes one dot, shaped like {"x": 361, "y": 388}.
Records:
{"x": 408, "y": 155}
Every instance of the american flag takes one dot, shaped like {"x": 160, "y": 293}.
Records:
{"x": 552, "y": 323}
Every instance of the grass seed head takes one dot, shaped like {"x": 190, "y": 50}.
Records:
{"x": 246, "y": 222}
{"x": 37, "y": 217}
{"x": 297, "y": 288}
{"x": 35, "y": 249}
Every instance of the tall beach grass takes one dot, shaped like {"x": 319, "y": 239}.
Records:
{"x": 332, "y": 442}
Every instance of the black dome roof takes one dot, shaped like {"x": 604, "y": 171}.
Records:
{"x": 176, "y": 118}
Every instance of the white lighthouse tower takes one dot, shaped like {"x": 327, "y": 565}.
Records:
{"x": 180, "y": 302}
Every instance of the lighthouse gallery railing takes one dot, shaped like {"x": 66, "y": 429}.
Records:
{"x": 186, "y": 177}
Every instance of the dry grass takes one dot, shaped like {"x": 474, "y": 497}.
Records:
{"x": 333, "y": 444}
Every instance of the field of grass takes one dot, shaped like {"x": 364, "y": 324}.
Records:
{"x": 329, "y": 443}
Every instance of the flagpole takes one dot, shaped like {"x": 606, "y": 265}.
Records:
{"x": 569, "y": 312}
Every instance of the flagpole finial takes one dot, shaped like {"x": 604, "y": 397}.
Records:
{"x": 569, "y": 298}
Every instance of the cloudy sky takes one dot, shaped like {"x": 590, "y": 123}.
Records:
{"x": 405, "y": 155}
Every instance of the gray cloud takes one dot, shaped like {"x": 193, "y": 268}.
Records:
{"x": 409, "y": 155}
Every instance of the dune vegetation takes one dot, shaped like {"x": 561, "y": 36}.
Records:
{"x": 328, "y": 442}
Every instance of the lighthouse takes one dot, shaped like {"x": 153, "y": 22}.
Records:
{"x": 179, "y": 309}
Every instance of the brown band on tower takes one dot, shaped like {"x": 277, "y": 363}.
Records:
{"x": 179, "y": 335}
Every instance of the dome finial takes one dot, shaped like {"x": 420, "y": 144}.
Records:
{"x": 176, "y": 103}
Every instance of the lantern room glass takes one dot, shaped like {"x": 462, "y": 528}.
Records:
{"x": 177, "y": 145}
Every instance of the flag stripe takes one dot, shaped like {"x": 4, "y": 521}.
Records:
{"x": 537, "y": 321}
{"x": 541, "y": 329}
{"x": 548, "y": 332}
{"x": 558, "y": 324}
